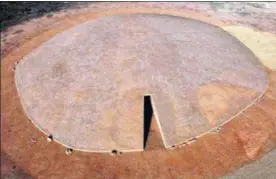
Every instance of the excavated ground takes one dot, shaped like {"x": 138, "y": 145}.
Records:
{"x": 243, "y": 140}
{"x": 85, "y": 86}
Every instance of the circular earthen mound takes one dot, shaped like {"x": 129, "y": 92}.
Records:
{"x": 86, "y": 86}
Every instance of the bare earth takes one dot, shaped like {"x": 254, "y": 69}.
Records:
{"x": 86, "y": 85}
{"x": 243, "y": 140}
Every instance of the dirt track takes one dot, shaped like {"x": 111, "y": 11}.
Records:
{"x": 241, "y": 141}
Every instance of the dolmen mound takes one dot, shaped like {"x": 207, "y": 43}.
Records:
{"x": 86, "y": 86}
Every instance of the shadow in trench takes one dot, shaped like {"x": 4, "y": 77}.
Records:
{"x": 148, "y": 112}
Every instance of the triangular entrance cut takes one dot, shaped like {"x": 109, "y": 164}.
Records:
{"x": 152, "y": 135}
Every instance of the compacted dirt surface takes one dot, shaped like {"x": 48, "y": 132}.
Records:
{"x": 87, "y": 85}
{"x": 26, "y": 153}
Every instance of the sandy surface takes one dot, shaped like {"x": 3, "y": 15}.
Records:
{"x": 263, "y": 44}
